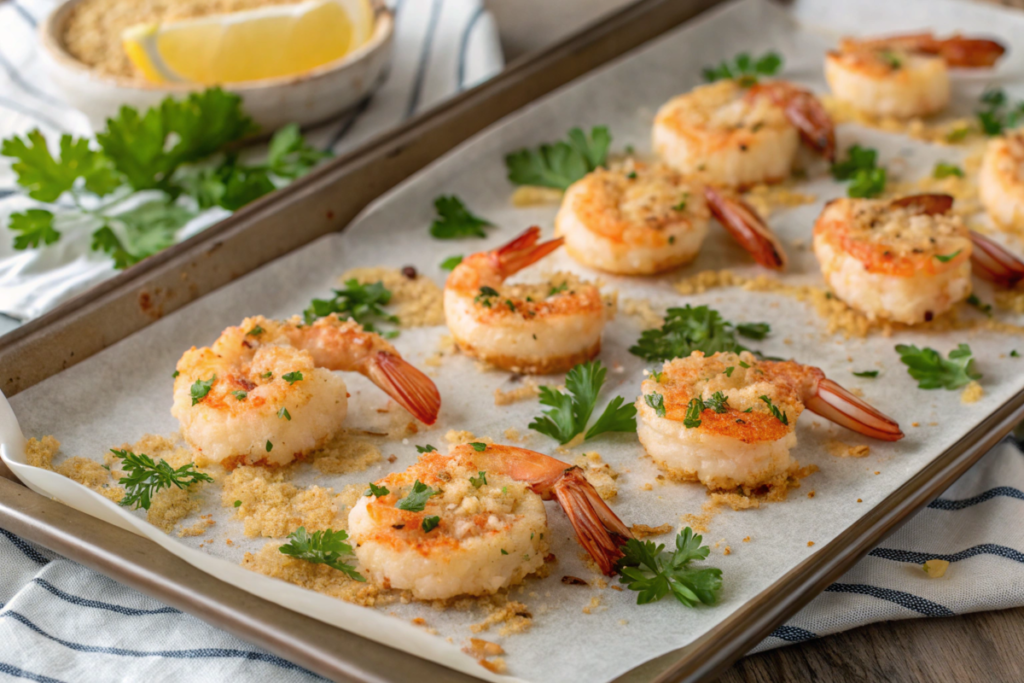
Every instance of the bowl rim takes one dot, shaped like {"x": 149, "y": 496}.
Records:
{"x": 51, "y": 38}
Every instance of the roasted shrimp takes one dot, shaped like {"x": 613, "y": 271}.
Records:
{"x": 641, "y": 219}
{"x": 906, "y": 260}
{"x": 729, "y": 420}
{"x": 1001, "y": 182}
{"x": 903, "y": 76}
{"x": 264, "y": 393}
{"x": 531, "y": 328}
{"x": 735, "y": 136}
{"x": 472, "y": 522}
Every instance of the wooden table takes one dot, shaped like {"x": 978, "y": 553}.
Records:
{"x": 987, "y": 646}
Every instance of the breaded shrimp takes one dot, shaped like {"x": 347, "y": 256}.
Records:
{"x": 534, "y": 329}
{"x": 642, "y": 219}
{"x": 729, "y": 420}
{"x": 903, "y": 76}
{"x": 736, "y": 136}
{"x": 1001, "y": 182}
{"x": 907, "y": 260}
{"x": 477, "y": 523}
{"x": 264, "y": 393}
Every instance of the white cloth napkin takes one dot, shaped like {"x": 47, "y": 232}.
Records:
{"x": 441, "y": 48}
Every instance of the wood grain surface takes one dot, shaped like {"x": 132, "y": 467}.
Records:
{"x": 987, "y": 646}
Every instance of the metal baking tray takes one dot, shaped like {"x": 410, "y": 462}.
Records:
{"x": 312, "y": 207}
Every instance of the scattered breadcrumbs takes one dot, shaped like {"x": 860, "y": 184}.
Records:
{"x": 274, "y": 508}
{"x": 641, "y": 531}
{"x": 343, "y": 454}
{"x": 459, "y": 437}
{"x": 512, "y": 435}
{"x": 810, "y": 543}
{"x": 446, "y": 346}
{"x": 600, "y": 474}
{"x": 877, "y": 472}
{"x": 972, "y": 393}
{"x": 935, "y": 568}
{"x": 859, "y": 500}
{"x": 496, "y": 665}
{"x": 747, "y": 539}
{"x": 647, "y": 487}
{"x": 39, "y": 452}
{"x": 197, "y": 529}
{"x": 946, "y": 132}
{"x": 773, "y": 491}
{"x": 839, "y": 449}
{"x": 700, "y": 522}
{"x": 641, "y": 309}
{"x": 529, "y": 390}
{"x": 766, "y": 199}
{"x": 532, "y": 195}
{"x": 93, "y": 30}
{"x": 595, "y": 602}
{"x": 481, "y": 650}
{"x": 810, "y": 494}
{"x": 727, "y": 551}
{"x": 515, "y": 616}
{"x": 417, "y": 301}
{"x": 915, "y": 424}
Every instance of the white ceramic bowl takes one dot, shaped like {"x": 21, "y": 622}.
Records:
{"x": 306, "y": 99}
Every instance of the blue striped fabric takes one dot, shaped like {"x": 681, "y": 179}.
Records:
{"x": 441, "y": 47}
{"x": 973, "y": 526}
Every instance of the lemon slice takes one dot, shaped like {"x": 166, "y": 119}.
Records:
{"x": 278, "y": 40}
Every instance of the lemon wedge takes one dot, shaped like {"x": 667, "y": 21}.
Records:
{"x": 277, "y": 40}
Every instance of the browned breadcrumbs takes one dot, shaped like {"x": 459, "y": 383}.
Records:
{"x": 478, "y": 647}
{"x": 747, "y": 539}
{"x": 701, "y": 522}
{"x": 496, "y": 665}
{"x": 810, "y": 494}
{"x": 595, "y": 603}
{"x": 642, "y": 531}
{"x": 197, "y": 529}
{"x": 935, "y": 132}
{"x": 727, "y": 551}
{"x": 515, "y": 616}
{"x": 94, "y": 27}
{"x": 39, "y": 452}
{"x": 810, "y": 543}
{"x": 641, "y": 309}
{"x": 529, "y": 390}
{"x": 840, "y": 449}
{"x": 766, "y": 199}
{"x": 972, "y": 393}
{"x": 600, "y": 474}
{"x": 859, "y": 500}
{"x": 345, "y": 453}
{"x": 446, "y": 347}
{"x": 273, "y": 507}
{"x": 417, "y": 301}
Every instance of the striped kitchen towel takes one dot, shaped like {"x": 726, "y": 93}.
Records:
{"x": 62, "y": 622}
{"x": 441, "y": 47}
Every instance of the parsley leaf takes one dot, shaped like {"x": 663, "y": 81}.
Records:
{"x": 571, "y": 412}
{"x": 478, "y": 447}
{"x": 774, "y": 409}
{"x": 361, "y": 303}
{"x": 292, "y": 377}
{"x": 479, "y": 480}
{"x": 691, "y": 329}
{"x": 35, "y": 227}
{"x": 693, "y": 410}
{"x": 932, "y": 371}
{"x": 145, "y": 477}
{"x": 450, "y": 262}
{"x": 200, "y": 388}
{"x": 46, "y": 178}
{"x": 560, "y": 164}
{"x": 645, "y": 568}
{"x": 284, "y": 414}
{"x": 290, "y": 156}
{"x": 241, "y": 396}
{"x": 430, "y": 523}
{"x": 973, "y": 300}
{"x": 946, "y": 258}
{"x": 657, "y": 402}
{"x": 425, "y": 449}
{"x": 717, "y": 402}
{"x": 866, "y": 373}
{"x": 997, "y": 113}
{"x": 377, "y": 491}
{"x": 485, "y": 296}
{"x": 229, "y": 185}
{"x": 416, "y": 499}
{"x": 454, "y": 220}
{"x": 756, "y": 331}
{"x": 322, "y": 547}
{"x": 860, "y": 167}
{"x": 944, "y": 170}
{"x": 745, "y": 68}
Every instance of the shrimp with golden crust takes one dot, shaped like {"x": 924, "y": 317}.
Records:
{"x": 264, "y": 392}
{"x": 903, "y": 76}
{"x": 736, "y": 136}
{"x": 481, "y": 527}
{"x": 1001, "y": 179}
{"x": 729, "y": 420}
{"x": 906, "y": 260}
{"x": 535, "y": 329}
{"x": 642, "y": 219}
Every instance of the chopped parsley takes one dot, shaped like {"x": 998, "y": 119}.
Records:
{"x": 860, "y": 167}
{"x": 558, "y": 289}
{"x": 652, "y": 573}
{"x": 361, "y": 303}
{"x": 932, "y": 371}
{"x": 729, "y": 371}
{"x": 1014, "y": 354}
{"x": 693, "y": 410}
{"x": 571, "y": 411}
{"x": 485, "y": 296}
{"x": 973, "y": 300}
{"x": 657, "y": 402}
{"x": 478, "y": 447}
{"x": 717, "y": 402}
{"x": 450, "y": 262}
{"x": 322, "y": 547}
{"x": 425, "y": 449}
{"x": 284, "y": 414}
{"x": 292, "y": 377}
{"x": 745, "y": 68}
{"x": 269, "y": 446}
{"x": 455, "y": 221}
{"x": 239, "y": 394}
{"x": 430, "y": 523}
{"x": 681, "y": 206}
{"x": 479, "y": 480}
{"x": 417, "y": 498}
{"x": 255, "y": 332}
{"x": 201, "y": 387}
{"x": 146, "y": 477}
{"x": 756, "y": 331}
{"x": 774, "y": 409}
{"x": 891, "y": 58}
{"x": 376, "y": 491}
{"x": 866, "y": 373}
{"x": 946, "y": 258}
{"x": 267, "y": 375}
{"x": 692, "y": 329}
{"x": 174, "y": 375}
{"x": 944, "y": 170}
{"x": 238, "y": 503}
{"x": 656, "y": 376}
{"x": 562, "y": 163}
{"x": 997, "y": 113}
{"x": 504, "y": 552}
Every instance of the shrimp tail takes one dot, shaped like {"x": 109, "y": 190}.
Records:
{"x": 523, "y": 251}
{"x": 599, "y": 530}
{"x": 929, "y": 204}
{"x": 413, "y": 390}
{"x": 817, "y": 130}
{"x": 992, "y": 262}
{"x": 747, "y": 228}
{"x": 969, "y": 53}
{"x": 836, "y": 404}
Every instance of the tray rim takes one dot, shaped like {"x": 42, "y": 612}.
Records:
{"x": 47, "y": 522}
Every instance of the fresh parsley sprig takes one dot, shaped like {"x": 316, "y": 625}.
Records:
{"x": 562, "y": 163}
{"x": 997, "y": 113}
{"x": 361, "y": 303}
{"x": 861, "y": 168}
{"x": 932, "y": 371}
{"x": 454, "y": 220}
{"x": 653, "y": 573}
{"x": 417, "y": 498}
{"x": 692, "y": 329}
{"x": 745, "y": 68}
{"x": 321, "y": 547}
{"x": 146, "y": 477}
{"x": 571, "y": 411}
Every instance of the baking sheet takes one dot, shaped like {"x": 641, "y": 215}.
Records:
{"x": 124, "y": 392}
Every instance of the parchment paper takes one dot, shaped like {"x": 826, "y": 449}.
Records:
{"x": 125, "y": 392}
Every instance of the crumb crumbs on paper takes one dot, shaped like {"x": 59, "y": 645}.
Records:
{"x": 417, "y": 301}
{"x": 839, "y": 449}
{"x": 273, "y": 507}
{"x": 747, "y": 539}
{"x": 642, "y": 531}
{"x": 972, "y": 393}
{"x": 810, "y": 494}
{"x": 594, "y": 606}
{"x": 642, "y": 310}
{"x": 529, "y": 390}
{"x": 810, "y": 543}
{"x": 700, "y": 522}
{"x": 446, "y": 347}
{"x": 935, "y": 568}
{"x": 515, "y": 616}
